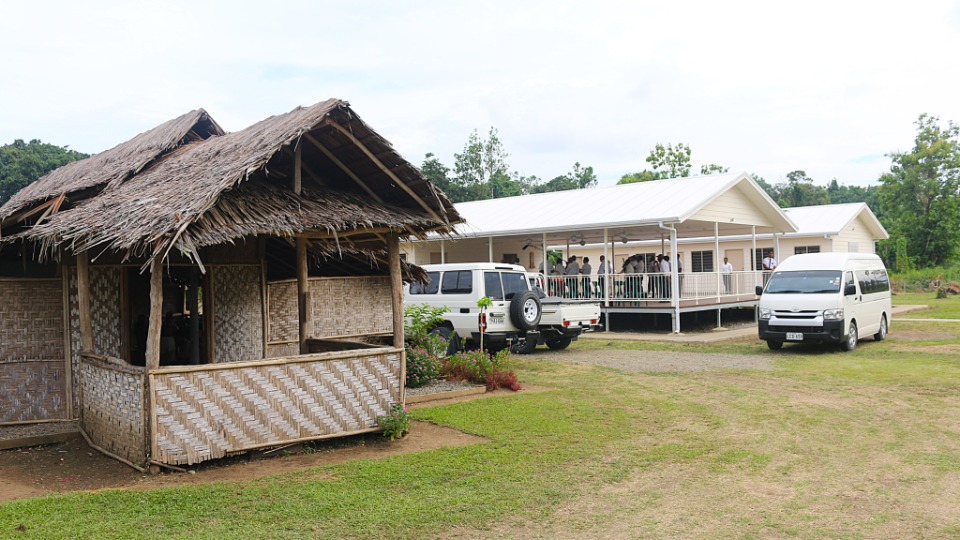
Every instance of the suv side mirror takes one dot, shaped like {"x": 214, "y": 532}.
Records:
{"x": 850, "y": 289}
{"x": 759, "y": 290}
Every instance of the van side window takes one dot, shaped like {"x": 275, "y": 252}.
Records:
{"x": 431, "y": 288}
{"x": 494, "y": 289}
{"x": 848, "y": 278}
{"x": 873, "y": 281}
{"x": 513, "y": 283}
{"x": 458, "y": 282}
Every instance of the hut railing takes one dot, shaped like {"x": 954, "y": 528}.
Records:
{"x": 211, "y": 411}
{"x": 112, "y": 411}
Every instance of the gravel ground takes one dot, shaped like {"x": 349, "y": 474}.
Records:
{"x": 35, "y": 430}
{"x": 656, "y": 361}
{"x": 439, "y": 386}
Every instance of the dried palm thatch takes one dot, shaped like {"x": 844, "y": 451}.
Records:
{"x": 318, "y": 168}
{"x": 114, "y": 166}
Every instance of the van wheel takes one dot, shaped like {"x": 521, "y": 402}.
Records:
{"x": 523, "y": 346}
{"x": 559, "y": 344}
{"x": 449, "y": 337}
{"x": 774, "y": 345}
{"x": 882, "y": 333}
{"x": 851, "y": 342}
{"x": 525, "y": 310}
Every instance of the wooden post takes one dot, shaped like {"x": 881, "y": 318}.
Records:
{"x": 152, "y": 360}
{"x": 303, "y": 294}
{"x": 396, "y": 289}
{"x": 83, "y": 303}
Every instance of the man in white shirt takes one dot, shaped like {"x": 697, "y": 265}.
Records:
{"x": 769, "y": 265}
{"x": 667, "y": 291}
{"x": 727, "y": 271}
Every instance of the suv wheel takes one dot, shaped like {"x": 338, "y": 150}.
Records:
{"x": 525, "y": 310}
{"x": 524, "y": 346}
{"x": 559, "y": 344}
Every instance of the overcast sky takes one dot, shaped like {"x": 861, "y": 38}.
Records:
{"x": 763, "y": 87}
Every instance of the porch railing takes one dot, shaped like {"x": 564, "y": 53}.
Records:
{"x": 655, "y": 286}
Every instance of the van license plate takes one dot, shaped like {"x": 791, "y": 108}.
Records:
{"x": 794, "y": 336}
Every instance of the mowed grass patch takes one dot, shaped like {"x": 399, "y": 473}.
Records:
{"x": 827, "y": 444}
{"x": 939, "y": 308}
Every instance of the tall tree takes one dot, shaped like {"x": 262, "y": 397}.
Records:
{"x": 481, "y": 169}
{"x": 920, "y": 196}
{"x": 578, "y": 178}
{"x": 21, "y": 163}
{"x": 801, "y": 191}
{"x": 669, "y": 162}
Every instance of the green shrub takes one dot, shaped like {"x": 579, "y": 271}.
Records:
{"x": 419, "y": 320}
{"x": 396, "y": 423}
{"x": 423, "y": 363}
{"x": 481, "y": 368}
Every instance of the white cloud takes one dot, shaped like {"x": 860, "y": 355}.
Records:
{"x": 827, "y": 87}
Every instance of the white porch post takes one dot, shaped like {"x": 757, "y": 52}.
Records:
{"x": 674, "y": 281}
{"x": 753, "y": 255}
{"x": 607, "y": 278}
{"x": 490, "y": 249}
{"x": 546, "y": 261}
{"x": 443, "y": 252}
{"x": 717, "y": 259}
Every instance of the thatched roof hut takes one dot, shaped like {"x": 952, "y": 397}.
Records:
{"x": 185, "y": 185}
{"x": 171, "y": 274}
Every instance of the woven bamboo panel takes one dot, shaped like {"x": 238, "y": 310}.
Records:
{"x": 282, "y": 311}
{"x": 105, "y": 309}
{"x": 208, "y": 414}
{"x": 238, "y": 315}
{"x": 350, "y": 306}
{"x": 112, "y": 410}
{"x": 280, "y": 350}
{"x": 32, "y": 390}
{"x": 74, "y": 324}
{"x": 31, "y": 320}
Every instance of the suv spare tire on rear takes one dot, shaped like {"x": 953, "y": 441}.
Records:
{"x": 525, "y": 310}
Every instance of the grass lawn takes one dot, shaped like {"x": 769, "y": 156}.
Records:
{"x": 942, "y": 308}
{"x": 856, "y": 445}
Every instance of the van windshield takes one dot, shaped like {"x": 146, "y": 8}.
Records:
{"x": 804, "y": 282}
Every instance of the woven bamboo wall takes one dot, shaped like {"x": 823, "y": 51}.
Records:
{"x": 238, "y": 313}
{"x": 208, "y": 413}
{"x": 105, "y": 309}
{"x": 112, "y": 410}
{"x": 32, "y": 390}
{"x": 32, "y": 363}
{"x": 350, "y": 306}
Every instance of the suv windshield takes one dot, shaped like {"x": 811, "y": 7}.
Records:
{"x": 804, "y": 282}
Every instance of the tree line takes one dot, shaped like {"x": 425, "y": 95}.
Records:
{"x": 22, "y": 163}
{"x": 917, "y": 201}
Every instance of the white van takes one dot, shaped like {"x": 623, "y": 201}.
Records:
{"x": 825, "y": 297}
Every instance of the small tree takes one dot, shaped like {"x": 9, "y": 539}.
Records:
{"x": 483, "y": 304}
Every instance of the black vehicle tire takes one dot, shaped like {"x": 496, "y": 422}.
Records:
{"x": 851, "y": 342}
{"x": 774, "y": 345}
{"x": 882, "y": 333}
{"x": 559, "y": 344}
{"x": 524, "y": 346}
{"x": 525, "y": 310}
{"x": 447, "y": 334}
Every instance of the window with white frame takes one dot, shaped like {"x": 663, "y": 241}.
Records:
{"x": 806, "y": 249}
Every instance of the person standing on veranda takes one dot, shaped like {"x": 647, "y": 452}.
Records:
{"x": 727, "y": 271}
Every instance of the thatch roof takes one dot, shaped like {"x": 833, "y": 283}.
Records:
{"x": 112, "y": 167}
{"x": 223, "y": 188}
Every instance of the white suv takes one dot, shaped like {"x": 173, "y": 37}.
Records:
{"x": 512, "y": 317}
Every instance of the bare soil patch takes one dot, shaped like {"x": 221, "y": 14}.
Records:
{"x": 74, "y": 466}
